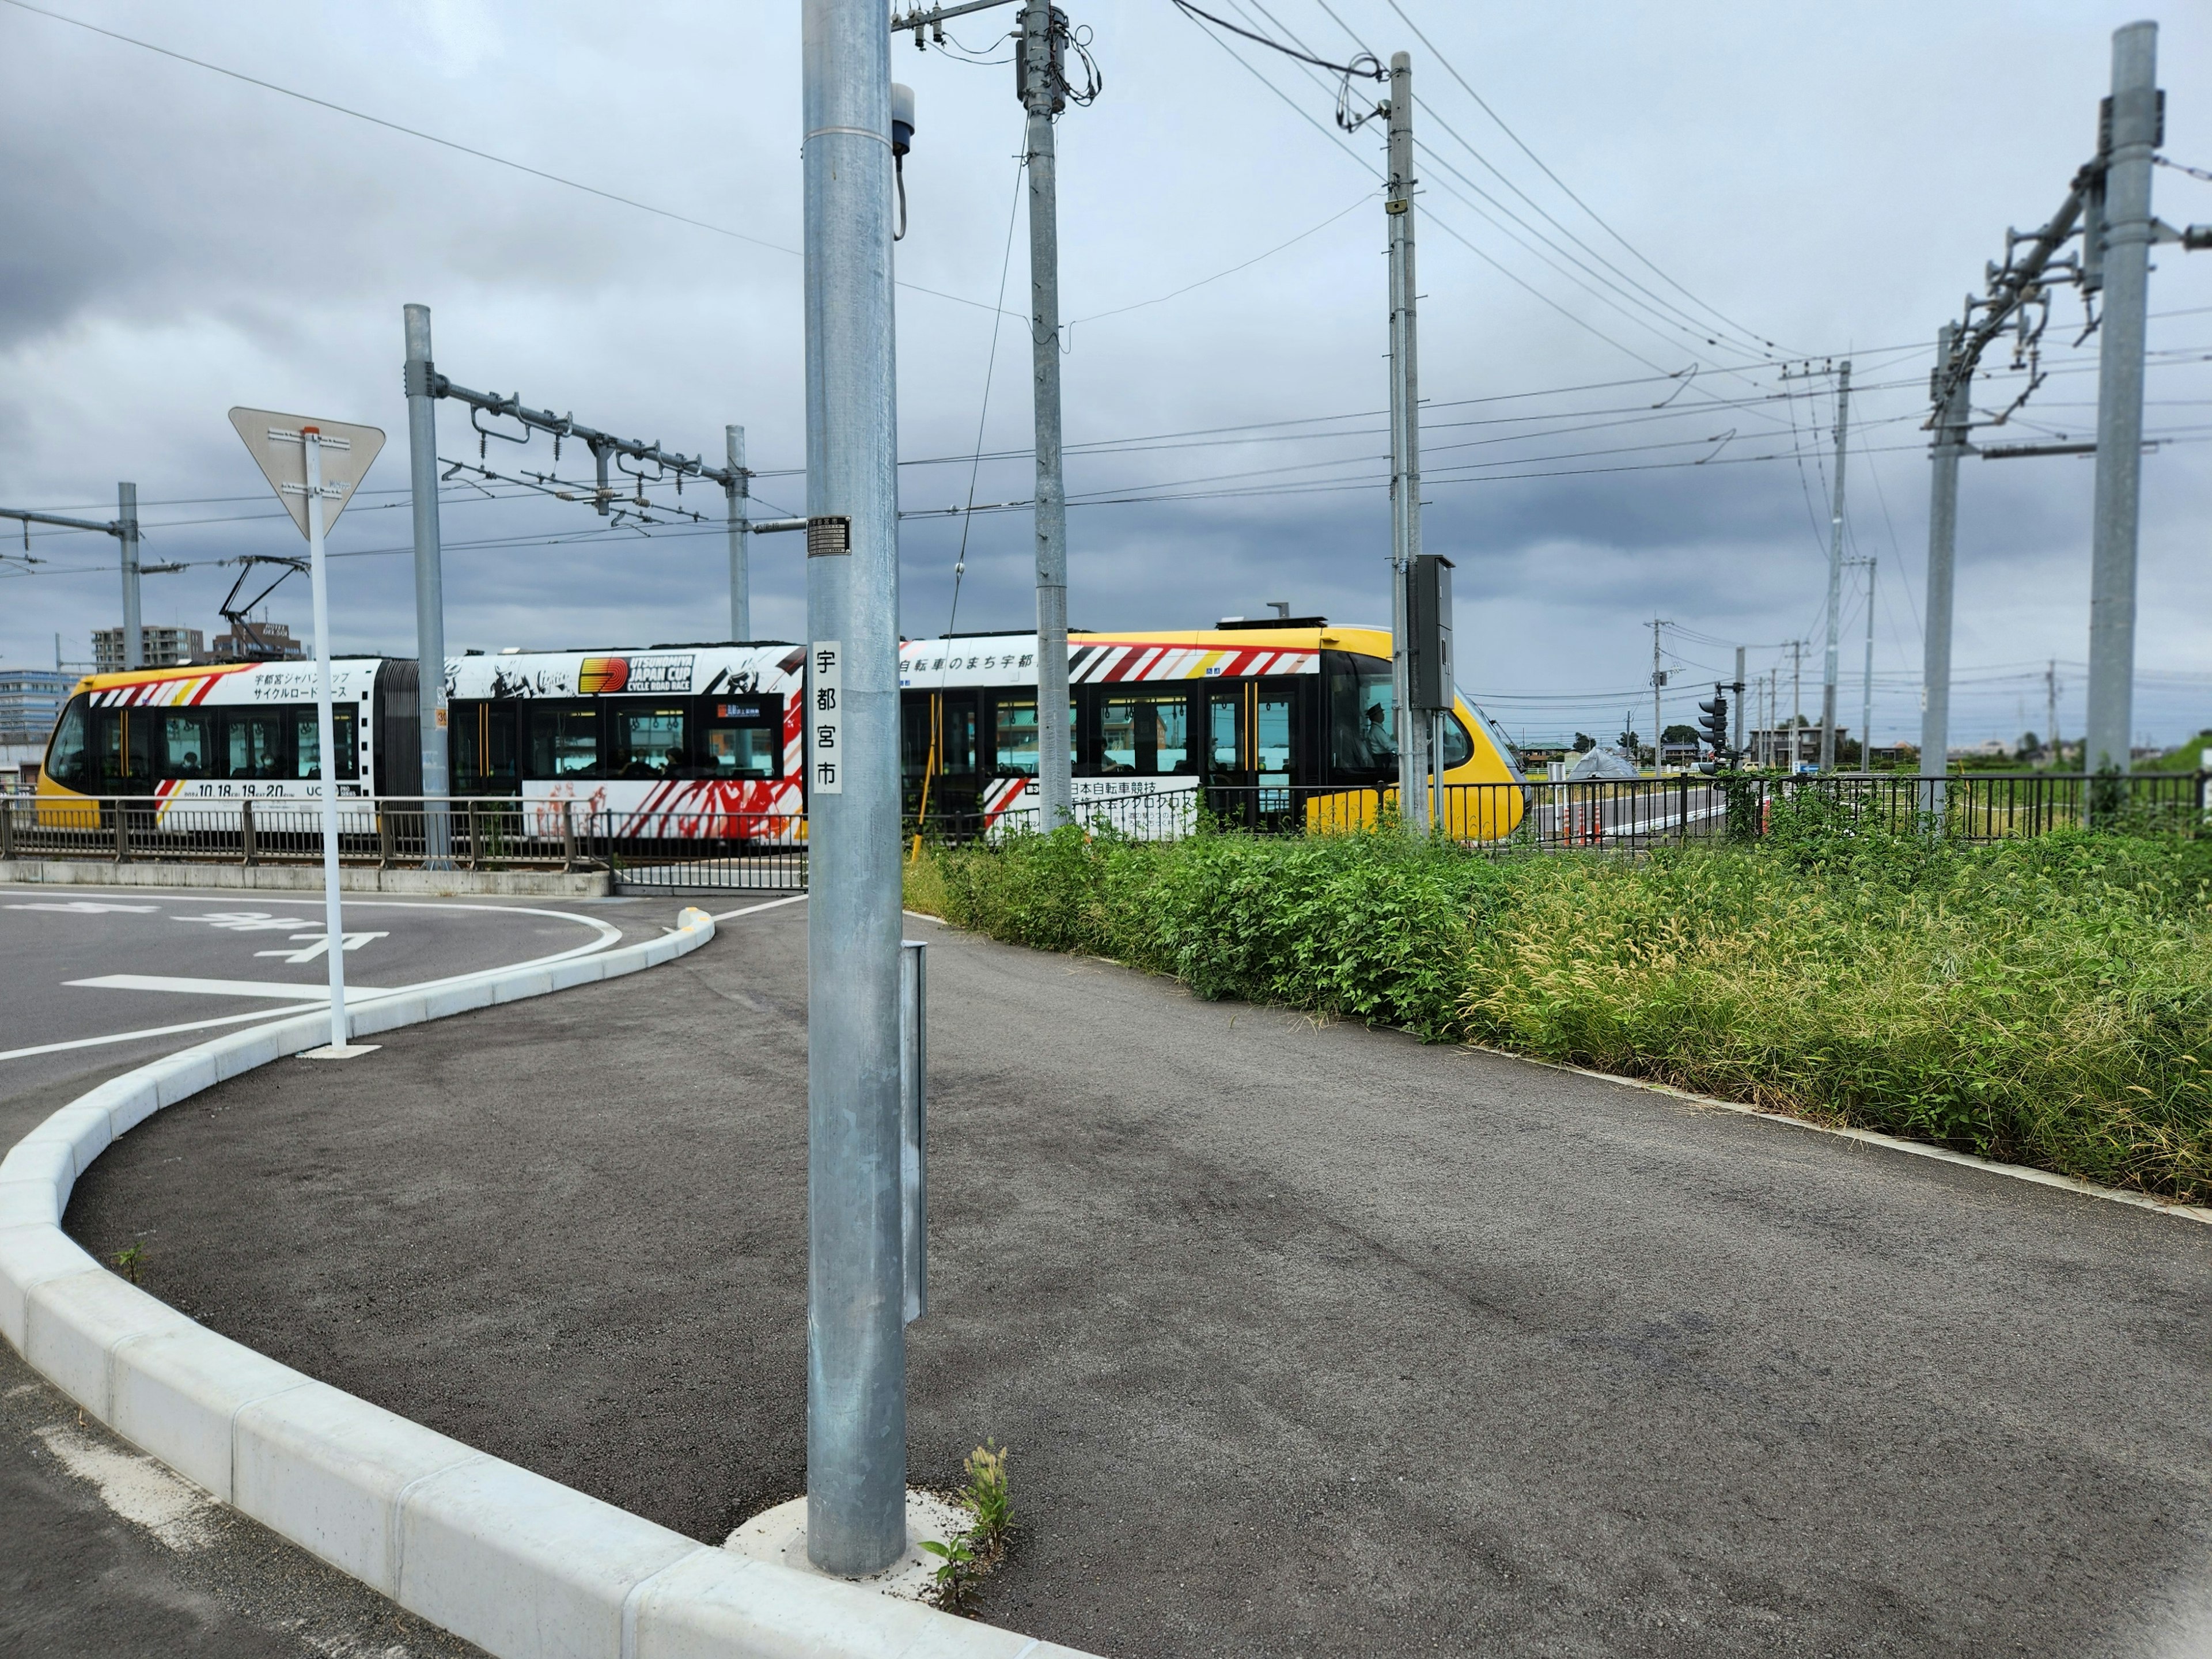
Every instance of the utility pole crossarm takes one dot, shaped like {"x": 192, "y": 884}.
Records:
{"x": 918, "y": 20}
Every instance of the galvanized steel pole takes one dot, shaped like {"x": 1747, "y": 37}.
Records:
{"x": 739, "y": 493}
{"x": 126, "y": 534}
{"x": 1405, "y": 446}
{"x": 2127, "y": 237}
{"x": 1835, "y": 572}
{"x": 855, "y": 1290}
{"x": 1866, "y": 684}
{"x": 1942, "y": 551}
{"x": 1040, "y": 92}
{"x": 429, "y": 586}
{"x": 326, "y": 757}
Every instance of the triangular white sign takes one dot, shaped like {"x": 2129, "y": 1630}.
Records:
{"x": 280, "y": 451}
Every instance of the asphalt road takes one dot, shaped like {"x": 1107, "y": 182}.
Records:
{"x": 108, "y": 1553}
{"x": 1306, "y": 1338}
{"x": 180, "y": 967}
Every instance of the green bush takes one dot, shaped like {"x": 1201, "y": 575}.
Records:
{"x": 2044, "y": 1001}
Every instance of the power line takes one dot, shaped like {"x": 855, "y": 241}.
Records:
{"x": 452, "y": 145}
{"x": 1448, "y": 69}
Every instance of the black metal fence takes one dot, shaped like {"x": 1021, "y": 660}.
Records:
{"x": 713, "y": 850}
{"x": 670, "y": 850}
{"x": 1640, "y": 813}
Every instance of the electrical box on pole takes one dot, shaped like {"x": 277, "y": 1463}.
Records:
{"x": 1429, "y": 636}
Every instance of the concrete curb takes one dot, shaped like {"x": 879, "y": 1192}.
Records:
{"x": 305, "y": 877}
{"x": 521, "y": 1566}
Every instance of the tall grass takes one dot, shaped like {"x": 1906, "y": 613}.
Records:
{"x": 2045, "y": 1001}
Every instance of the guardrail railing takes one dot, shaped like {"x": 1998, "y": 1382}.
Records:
{"x": 708, "y": 848}
{"x": 1638, "y": 813}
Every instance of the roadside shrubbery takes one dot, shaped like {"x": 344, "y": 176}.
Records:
{"x": 2044, "y": 1001}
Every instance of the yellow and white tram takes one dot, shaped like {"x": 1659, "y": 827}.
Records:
{"x": 1282, "y": 723}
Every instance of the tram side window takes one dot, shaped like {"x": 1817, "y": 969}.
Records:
{"x": 1014, "y": 736}
{"x": 1224, "y": 713}
{"x": 1145, "y": 734}
{"x": 648, "y": 741}
{"x": 307, "y": 744}
{"x": 181, "y": 746}
{"x": 67, "y": 763}
{"x": 562, "y": 740}
{"x": 1459, "y": 747}
{"x": 1273, "y": 743}
{"x": 252, "y": 744}
{"x": 1363, "y": 733}
{"x": 741, "y": 739}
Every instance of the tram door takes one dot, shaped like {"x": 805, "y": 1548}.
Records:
{"x": 1252, "y": 732}
{"x": 940, "y": 751}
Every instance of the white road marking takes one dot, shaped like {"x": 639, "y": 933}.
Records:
{"x": 219, "y": 987}
{"x": 755, "y": 909}
{"x": 245, "y": 921}
{"x": 608, "y": 934}
{"x": 318, "y": 946}
{"x": 136, "y": 1488}
{"x": 87, "y": 908}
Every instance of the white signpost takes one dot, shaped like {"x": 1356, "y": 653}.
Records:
{"x": 314, "y": 466}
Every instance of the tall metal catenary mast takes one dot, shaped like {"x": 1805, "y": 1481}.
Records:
{"x": 738, "y": 493}
{"x": 1405, "y": 445}
{"x": 1042, "y": 97}
{"x": 855, "y": 1292}
{"x": 1949, "y": 444}
{"x": 1835, "y": 572}
{"x": 429, "y": 584}
{"x": 2128, "y": 231}
{"x": 1866, "y": 682}
{"x": 126, "y": 522}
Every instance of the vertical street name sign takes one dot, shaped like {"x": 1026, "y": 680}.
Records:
{"x": 825, "y": 718}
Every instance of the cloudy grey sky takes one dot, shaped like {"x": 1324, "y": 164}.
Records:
{"x": 1831, "y": 181}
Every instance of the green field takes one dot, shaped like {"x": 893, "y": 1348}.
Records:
{"x": 2044, "y": 1002}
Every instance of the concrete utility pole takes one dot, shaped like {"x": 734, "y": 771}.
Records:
{"x": 855, "y": 1286}
{"x": 1949, "y": 444}
{"x": 126, "y": 522}
{"x": 1042, "y": 97}
{"x": 1866, "y": 691}
{"x": 1742, "y": 698}
{"x": 1405, "y": 446}
{"x": 1835, "y": 571}
{"x": 2127, "y": 234}
{"x": 738, "y": 491}
{"x": 1658, "y": 679}
{"x": 2050, "y": 715}
{"x": 1796, "y": 701}
{"x": 429, "y": 586}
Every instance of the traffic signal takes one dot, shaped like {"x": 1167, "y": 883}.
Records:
{"x": 1713, "y": 719}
